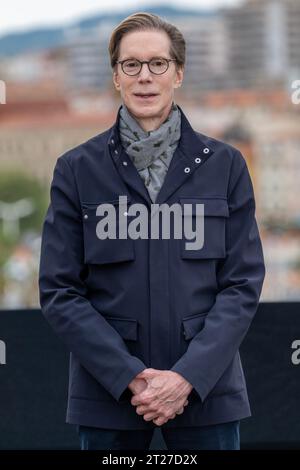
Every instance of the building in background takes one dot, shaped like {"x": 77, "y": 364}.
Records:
{"x": 206, "y": 52}
{"x": 264, "y": 43}
{"x": 87, "y": 58}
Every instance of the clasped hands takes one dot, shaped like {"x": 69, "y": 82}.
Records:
{"x": 159, "y": 394}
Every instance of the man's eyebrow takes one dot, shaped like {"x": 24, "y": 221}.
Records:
{"x": 153, "y": 57}
{"x": 128, "y": 58}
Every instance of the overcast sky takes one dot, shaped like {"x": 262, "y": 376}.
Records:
{"x": 21, "y": 15}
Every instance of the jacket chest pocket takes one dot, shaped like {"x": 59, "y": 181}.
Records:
{"x": 106, "y": 239}
{"x": 208, "y": 228}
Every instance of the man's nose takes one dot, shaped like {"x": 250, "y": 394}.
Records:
{"x": 145, "y": 73}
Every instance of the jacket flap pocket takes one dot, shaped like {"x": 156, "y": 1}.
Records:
{"x": 90, "y": 207}
{"x": 211, "y": 227}
{"x": 104, "y": 240}
{"x": 114, "y": 200}
{"x": 193, "y": 324}
{"x": 126, "y": 327}
{"x": 215, "y": 207}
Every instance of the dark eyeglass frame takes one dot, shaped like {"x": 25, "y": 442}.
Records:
{"x": 141, "y": 62}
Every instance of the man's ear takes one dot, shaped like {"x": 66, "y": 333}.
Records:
{"x": 179, "y": 77}
{"x": 116, "y": 80}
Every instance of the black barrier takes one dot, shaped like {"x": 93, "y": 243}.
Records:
{"x": 34, "y": 382}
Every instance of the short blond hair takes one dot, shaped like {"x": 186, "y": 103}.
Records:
{"x": 143, "y": 21}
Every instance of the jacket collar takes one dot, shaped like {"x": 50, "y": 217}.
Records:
{"x": 190, "y": 154}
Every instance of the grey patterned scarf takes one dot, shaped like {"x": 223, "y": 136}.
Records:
{"x": 151, "y": 152}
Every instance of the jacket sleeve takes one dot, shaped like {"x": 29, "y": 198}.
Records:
{"x": 63, "y": 294}
{"x": 240, "y": 278}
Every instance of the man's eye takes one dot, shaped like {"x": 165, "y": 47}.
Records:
{"x": 157, "y": 62}
{"x": 131, "y": 64}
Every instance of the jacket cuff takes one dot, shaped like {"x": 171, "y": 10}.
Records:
{"x": 122, "y": 382}
{"x": 191, "y": 374}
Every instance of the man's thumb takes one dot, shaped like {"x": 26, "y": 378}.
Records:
{"x": 146, "y": 373}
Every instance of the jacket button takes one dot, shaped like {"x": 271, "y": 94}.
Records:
{"x": 85, "y": 216}
{"x": 206, "y": 150}
{"x": 187, "y": 170}
{"x": 198, "y": 160}
{"x": 116, "y": 152}
{"x": 112, "y": 141}
{"x": 125, "y": 163}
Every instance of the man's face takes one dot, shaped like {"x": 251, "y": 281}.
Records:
{"x": 145, "y": 45}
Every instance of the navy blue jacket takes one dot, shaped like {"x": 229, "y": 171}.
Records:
{"x": 123, "y": 305}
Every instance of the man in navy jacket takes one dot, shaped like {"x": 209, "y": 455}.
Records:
{"x": 154, "y": 328}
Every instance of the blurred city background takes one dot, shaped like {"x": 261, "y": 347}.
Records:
{"x": 241, "y": 85}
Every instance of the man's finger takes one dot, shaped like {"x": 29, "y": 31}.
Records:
{"x": 180, "y": 411}
{"x": 159, "y": 421}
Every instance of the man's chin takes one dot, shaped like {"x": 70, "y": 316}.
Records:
{"x": 144, "y": 110}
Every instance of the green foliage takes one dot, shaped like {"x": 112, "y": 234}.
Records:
{"x": 16, "y": 185}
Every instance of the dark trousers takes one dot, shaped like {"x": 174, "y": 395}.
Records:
{"x": 225, "y": 436}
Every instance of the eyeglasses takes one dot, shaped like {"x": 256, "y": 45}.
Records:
{"x": 134, "y": 66}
